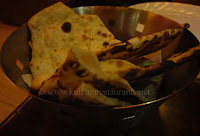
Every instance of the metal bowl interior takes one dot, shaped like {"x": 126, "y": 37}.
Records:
{"x": 123, "y": 23}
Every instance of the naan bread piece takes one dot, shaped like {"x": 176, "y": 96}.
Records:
{"x": 49, "y": 86}
{"x": 132, "y": 72}
{"x": 146, "y": 89}
{"x": 121, "y": 67}
{"x": 102, "y": 38}
{"x": 55, "y": 29}
{"x": 185, "y": 56}
{"x": 87, "y": 94}
{"x": 140, "y": 46}
{"x": 37, "y": 82}
{"x": 82, "y": 65}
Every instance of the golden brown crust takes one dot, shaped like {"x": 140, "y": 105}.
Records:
{"x": 185, "y": 56}
{"x": 83, "y": 66}
{"x": 140, "y": 46}
{"x": 55, "y": 29}
{"x": 132, "y": 72}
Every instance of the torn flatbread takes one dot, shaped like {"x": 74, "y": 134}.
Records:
{"x": 82, "y": 65}
{"x": 132, "y": 72}
{"x": 185, "y": 56}
{"x": 54, "y": 30}
{"x": 140, "y": 46}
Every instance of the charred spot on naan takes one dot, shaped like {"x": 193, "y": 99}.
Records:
{"x": 102, "y": 84}
{"x": 129, "y": 47}
{"x": 118, "y": 49}
{"x": 105, "y": 44}
{"x": 104, "y": 35}
{"x": 131, "y": 73}
{"x": 84, "y": 37}
{"x": 99, "y": 32}
{"x": 82, "y": 73}
{"x": 74, "y": 64}
{"x": 66, "y": 27}
{"x": 60, "y": 86}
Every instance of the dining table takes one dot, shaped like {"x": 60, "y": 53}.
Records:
{"x": 10, "y": 95}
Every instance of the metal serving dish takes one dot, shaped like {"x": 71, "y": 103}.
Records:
{"x": 122, "y": 22}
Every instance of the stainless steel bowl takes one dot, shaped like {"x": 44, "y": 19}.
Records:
{"x": 122, "y": 22}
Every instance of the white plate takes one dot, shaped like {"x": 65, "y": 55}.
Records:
{"x": 179, "y": 12}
